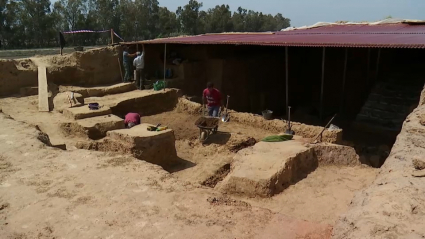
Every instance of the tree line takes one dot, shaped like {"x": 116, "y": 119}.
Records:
{"x": 37, "y": 23}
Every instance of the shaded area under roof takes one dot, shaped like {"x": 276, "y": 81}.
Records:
{"x": 398, "y": 35}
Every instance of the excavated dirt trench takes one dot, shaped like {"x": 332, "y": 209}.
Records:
{"x": 307, "y": 198}
{"x": 209, "y": 163}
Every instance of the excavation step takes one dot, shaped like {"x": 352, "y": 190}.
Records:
{"x": 151, "y": 146}
{"x": 268, "y": 168}
{"x": 99, "y": 91}
{"x": 94, "y": 127}
{"x": 144, "y": 102}
{"x": 84, "y": 112}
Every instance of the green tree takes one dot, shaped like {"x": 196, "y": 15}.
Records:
{"x": 35, "y": 17}
{"x": 281, "y": 22}
{"x": 188, "y": 17}
{"x": 239, "y": 19}
{"x": 146, "y": 25}
{"x": 35, "y": 23}
{"x": 71, "y": 11}
{"x": 219, "y": 19}
{"x": 168, "y": 24}
{"x": 128, "y": 15}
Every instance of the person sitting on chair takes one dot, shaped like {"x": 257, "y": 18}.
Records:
{"x": 213, "y": 98}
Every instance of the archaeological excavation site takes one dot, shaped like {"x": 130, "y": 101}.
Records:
{"x": 350, "y": 97}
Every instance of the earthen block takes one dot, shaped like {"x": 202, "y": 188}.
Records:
{"x": 154, "y": 147}
{"x": 95, "y": 127}
{"x": 83, "y": 112}
{"x": 268, "y": 168}
{"x": 333, "y": 154}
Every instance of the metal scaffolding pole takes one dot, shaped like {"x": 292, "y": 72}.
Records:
{"x": 344, "y": 77}
{"x": 287, "y": 79}
{"x": 323, "y": 83}
{"x": 377, "y": 65}
{"x": 165, "y": 61}
{"x": 368, "y": 68}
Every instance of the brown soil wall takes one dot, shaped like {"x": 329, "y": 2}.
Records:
{"x": 278, "y": 126}
{"x": 90, "y": 68}
{"x": 15, "y": 74}
{"x": 148, "y": 105}
{"x": 394, "y": 205}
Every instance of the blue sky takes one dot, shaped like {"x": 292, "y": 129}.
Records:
{"x": 307, "y": 12}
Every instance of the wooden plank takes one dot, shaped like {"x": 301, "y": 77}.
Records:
{"x": 43, "y": 93}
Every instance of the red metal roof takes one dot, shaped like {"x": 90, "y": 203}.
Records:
{"x": 383, "y": 36}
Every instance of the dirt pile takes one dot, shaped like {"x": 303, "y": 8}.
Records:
{"x": 92, "y": 67}
{"x": 187, "y": 106}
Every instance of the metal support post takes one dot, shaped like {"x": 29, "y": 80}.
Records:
{"x": 344, "y": 77}
{"x": 323, "y": 83}
{"x": 287, "y": 79}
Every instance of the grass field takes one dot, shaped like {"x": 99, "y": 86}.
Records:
{"x": 24, "y": 53}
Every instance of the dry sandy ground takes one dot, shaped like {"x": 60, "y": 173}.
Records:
{"x": 82, "y": 194}
{"x": 322, "y": 196}
{"x": 25, "y": 109}
{"x": 50, "y": 193}
{"x": 184, "y": 127}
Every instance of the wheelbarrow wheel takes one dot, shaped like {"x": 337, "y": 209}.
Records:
{"x": 203, "y": 136}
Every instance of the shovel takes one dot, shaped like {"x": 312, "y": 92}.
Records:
{"x": 226, "y": 116}
{"x": 289, "y": 130}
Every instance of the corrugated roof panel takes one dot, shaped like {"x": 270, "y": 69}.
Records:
{"x": 385, "y": 36}
{"x": 362, "y": 29}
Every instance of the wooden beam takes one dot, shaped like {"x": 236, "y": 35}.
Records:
{"x": 43, "y": 93}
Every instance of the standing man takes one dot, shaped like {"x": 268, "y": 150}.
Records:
{"x": 213, "y": 98}
{"x": 127, "y": 63}
{"x": 139, "y": 63}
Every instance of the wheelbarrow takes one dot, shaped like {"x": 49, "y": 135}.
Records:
{"x": 207, "y": 126}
